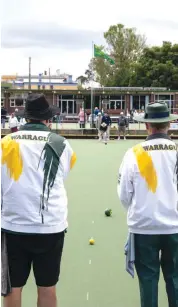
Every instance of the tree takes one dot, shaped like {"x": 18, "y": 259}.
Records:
{"x": 125, "y": 46}
{"x": 82, "y": 80}
{"x": 135, "y": 64}
{"x": 89, "y": 73}
{"x": 157, "y": 67}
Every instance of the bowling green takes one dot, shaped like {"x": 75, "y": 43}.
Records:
{"x": 95, "y": 276}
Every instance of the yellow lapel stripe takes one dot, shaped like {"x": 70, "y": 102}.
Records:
{"x": 146, "y": 167}
{"x": 11, "y": 156}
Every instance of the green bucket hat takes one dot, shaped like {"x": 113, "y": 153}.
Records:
{"x": 156, "y": 112}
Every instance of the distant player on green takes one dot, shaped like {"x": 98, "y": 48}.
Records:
{"x": 106, "y": 119}
{"x": 122, "y": 125}
{"x": 103, "y": 132}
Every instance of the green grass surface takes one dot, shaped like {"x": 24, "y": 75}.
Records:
{"x": 98, "y": 270}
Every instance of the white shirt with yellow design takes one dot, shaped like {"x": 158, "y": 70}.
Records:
{"x": 34, "y": 165}
{"x": 148, "y": 186}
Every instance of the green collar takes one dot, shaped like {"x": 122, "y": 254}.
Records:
{"x": 35, "y": 127}
{"x": 158, "y": 136}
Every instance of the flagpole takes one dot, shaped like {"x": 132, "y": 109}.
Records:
{"x": 92, "y": 86}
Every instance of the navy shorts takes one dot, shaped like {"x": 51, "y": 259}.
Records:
{"x": 42, "y": 251}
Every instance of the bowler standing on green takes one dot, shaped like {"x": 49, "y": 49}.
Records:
{"x": 148, "y": 189}
{"x": 35, "y": 162}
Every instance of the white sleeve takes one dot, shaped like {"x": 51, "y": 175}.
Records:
{"x": 125, "y": 181}
{"x": 68, "y": 158}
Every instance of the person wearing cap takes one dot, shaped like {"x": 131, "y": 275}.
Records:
{"x": 122, "y": 124}
{"x": 35, "y": 162}
{"x": 148, "y": 189}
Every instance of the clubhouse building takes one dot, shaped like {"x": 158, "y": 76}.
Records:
{"x": 70, "y": 99}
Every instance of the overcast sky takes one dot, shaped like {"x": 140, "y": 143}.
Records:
{"x": 59, "y": 33}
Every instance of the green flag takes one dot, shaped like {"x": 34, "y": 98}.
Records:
{"x": 98, "y": 53}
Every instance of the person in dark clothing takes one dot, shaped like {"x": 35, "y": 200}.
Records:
{"x": 122, "y": 124}
{"x": 107, "y": 120}
{"x": 3, "y": 118}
